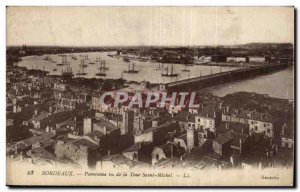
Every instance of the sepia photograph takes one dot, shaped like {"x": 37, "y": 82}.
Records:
{"x": 150, "y": 96}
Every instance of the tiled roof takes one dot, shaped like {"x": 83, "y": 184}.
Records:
{"x": 134, "y": 147}
{"x": 223, "y": 138}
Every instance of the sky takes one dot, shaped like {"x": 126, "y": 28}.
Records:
{"x": 148, "y": 26}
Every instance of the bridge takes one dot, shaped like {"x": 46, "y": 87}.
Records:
{"x": 222, "y": 77}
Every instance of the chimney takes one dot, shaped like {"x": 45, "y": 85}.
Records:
{"x": 171, "y": 151}
{"x": 240, "y": 142}
{"x": 36, "y": 112}
{"x": 232, "y": 161}
{"x": 191, "y": 140}
{"x": 104, "y": 130}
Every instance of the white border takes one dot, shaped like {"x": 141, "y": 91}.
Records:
{"x": 4, "y": 3}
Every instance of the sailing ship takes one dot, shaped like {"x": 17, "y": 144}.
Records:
{"x": 101, "y": 72}
{"x": 82, "y": 64}
{"x": 67, "y": 72}
{"x": 98, "y": 59}
{"x": 47, "y": 58}
{"x": 166, "y": 73}
{"x": 160, "y": 66}
{"x": 73, "y": 57}
{"x": 131, "y": 70}
{"x": 93, "y": 63}
{"x": 103, "y": 65}
{"x": 63, "y": 61}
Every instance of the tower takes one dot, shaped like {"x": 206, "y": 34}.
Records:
{"x": 87, "y": 125}
{"x": 128, "y": 119}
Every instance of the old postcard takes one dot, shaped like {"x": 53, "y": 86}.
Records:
{"x": 150, "y": 96}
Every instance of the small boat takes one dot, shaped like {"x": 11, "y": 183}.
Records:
{"x": 185, "y": 70}
{"x": 126, "y": 60}
{"x": 81, "y": 74}
{"x": 189, "y": 64}
{"x": 47, "y": 58}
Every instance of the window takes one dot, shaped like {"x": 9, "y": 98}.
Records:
{"x": 268, "y": 130}
{"x": 157, "y": 157}
{"x": 199, "y": 120}
{"x": 255, "y": 128}
{"x": 252, "y": 122}
{"x": 265, "y": 125}
{"x": 134, "y": 156}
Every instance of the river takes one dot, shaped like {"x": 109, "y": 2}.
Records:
{"x": 279, "y": 84}
{"x": 116, "y": 67}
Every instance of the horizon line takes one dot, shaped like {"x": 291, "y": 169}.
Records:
{"x": 221, "y": 45}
